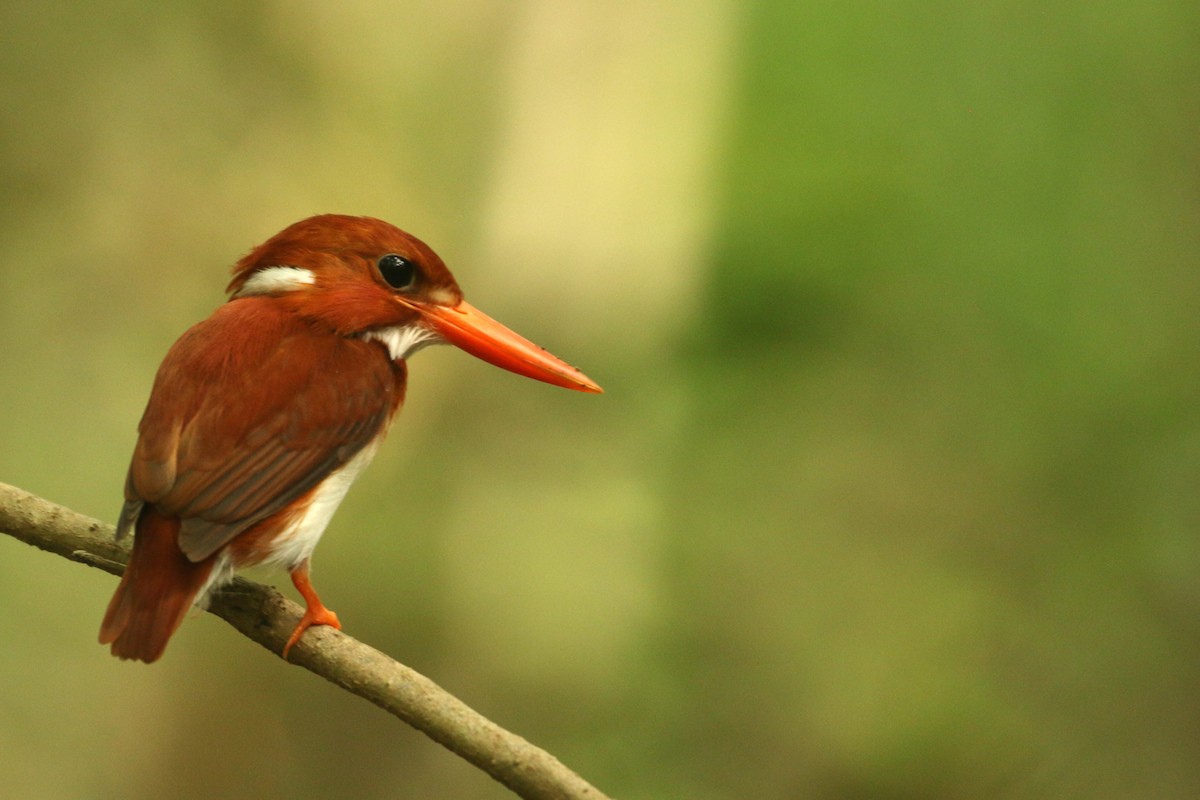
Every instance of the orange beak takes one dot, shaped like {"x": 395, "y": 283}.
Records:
{"x": 470, "y": 329}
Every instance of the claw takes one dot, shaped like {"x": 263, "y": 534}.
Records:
{"x": 315, "y": 612}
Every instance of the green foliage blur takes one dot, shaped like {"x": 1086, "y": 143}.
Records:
{"x": 893, "y": 491}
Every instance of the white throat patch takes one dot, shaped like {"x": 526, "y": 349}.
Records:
{"x": 273, "y": 280}
{"x": 404, "y": 340}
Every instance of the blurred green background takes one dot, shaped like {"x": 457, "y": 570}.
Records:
{"x": 893, "y": 492}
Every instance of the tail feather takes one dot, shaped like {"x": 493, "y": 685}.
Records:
{"x": 160, "y": 584}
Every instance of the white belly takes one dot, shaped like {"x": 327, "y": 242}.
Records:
{"x": 296, "y": 542}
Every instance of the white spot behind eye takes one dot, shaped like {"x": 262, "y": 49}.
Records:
{"x": 404, "y": 340}
{"x": 273, "y": 280}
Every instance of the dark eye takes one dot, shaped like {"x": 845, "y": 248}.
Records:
{"x": 398, "y": 271}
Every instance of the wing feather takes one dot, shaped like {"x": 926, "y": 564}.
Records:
{"x": 251, "y": 410}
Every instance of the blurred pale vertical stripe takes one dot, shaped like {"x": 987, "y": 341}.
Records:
{"x": 603, "y": 181}
{"x": 595, "y": 225}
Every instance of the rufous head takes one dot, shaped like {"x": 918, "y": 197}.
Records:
{"x": 360, "y": 276}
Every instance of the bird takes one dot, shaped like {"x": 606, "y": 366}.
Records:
{"x": 262, "y": 415}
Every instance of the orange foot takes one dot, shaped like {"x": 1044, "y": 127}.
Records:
{"x": 315, "y": 612}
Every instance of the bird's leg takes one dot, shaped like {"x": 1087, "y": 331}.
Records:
{"x": 315, "y": 612}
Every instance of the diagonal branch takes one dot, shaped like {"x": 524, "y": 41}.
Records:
{"x": 264, "y": 615}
